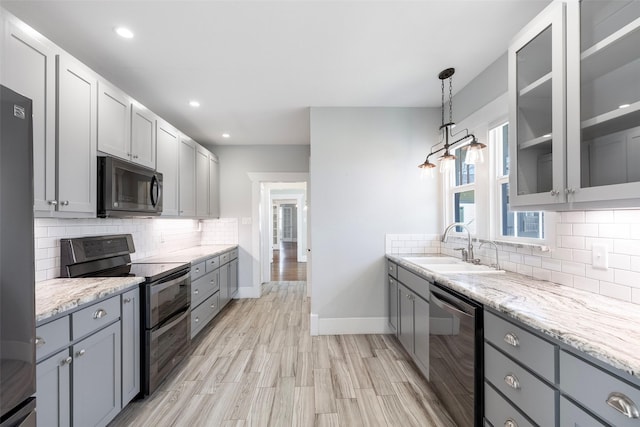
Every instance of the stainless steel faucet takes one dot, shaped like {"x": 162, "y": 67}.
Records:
{"x": 490, "y": 242}
{"x": 467, "y": 255}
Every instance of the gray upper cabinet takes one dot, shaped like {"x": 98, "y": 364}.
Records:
{"x": 187, "y": 170}
{"x": 168, "y": 145}
{"x": 143, "y": 136}
{"x": 202, "y": 182}
{"x": 114, "y": 121}
{"x": 96, "y": 378}
{"x": 214, "y": 186}
{"x": 29, "y": 67}
{"x": 76, "y": 139}
{"x": 575, "y": 107}
{"x": 130, "y": 323}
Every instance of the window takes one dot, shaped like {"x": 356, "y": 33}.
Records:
{"x": 462, "y": 193}
{"x": 529, "y": 225}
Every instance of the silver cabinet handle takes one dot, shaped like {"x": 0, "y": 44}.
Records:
{"x": 135, "y": 156}
{"x": 197, "y": 319}
{"x": 80, "y": 353}
{"x": 569, "y": 190}
{"x": 213, "y": 282}
{"x": 213, "y": 306}
{"x": 197, "y": 270}
{"x": 40, "y": 341}
{"x": 623, "y": 404}
{"x": 512, "y": 339}
{"x": 100, "y": 313}
{"x": 195, "y": 291}
{"x": 126, "y": 300}
{"x": 52, "y": 202}
{"x": 512, "y": 381}
{"x": 66, "y": 361}
{"x": 554, "y": 193}
{"x": 510, "y": 423}
{"x": 64, "y": 203}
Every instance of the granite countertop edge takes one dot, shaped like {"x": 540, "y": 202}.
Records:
{"x": 193, "y": 255}
{"x": 605, "y": 328}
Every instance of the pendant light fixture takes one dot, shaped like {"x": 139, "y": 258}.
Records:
{"x": 448, "y": 141}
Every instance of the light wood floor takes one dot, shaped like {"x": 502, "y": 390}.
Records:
{"x": 285, "y": 265}
{"x": 257, "y": 365}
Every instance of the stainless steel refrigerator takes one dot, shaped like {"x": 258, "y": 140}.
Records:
{"x": 17, "y": 273}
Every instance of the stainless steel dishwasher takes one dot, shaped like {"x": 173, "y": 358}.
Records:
{"x": 455, "y": 354}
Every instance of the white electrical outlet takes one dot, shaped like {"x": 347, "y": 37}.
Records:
{"x": 600, "y": 257}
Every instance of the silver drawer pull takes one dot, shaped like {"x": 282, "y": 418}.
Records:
{"x": 66, "y": 361}
{"x": 80, "y": 353}
{"x": 40, "y": 341}
{"x": 100, "y": 313}
{"x": 195, "y": 291}
{"x": 512, "y": 381}
{"x": 510, "y": 423}
{"x": 623, "y": 404}
{"x": 512, "y": 339}
{"x": 197, "y": 319}
{"x": 197, "y": 270}
{"x": 213, "y": 306}
{"x": 126, "y": 300}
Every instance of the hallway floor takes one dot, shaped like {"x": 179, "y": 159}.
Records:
{"x": 285, "y": 265}
{"x": 257, "y": 365}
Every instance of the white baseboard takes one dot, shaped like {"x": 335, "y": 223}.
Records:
{"x": 248, "y": 292}
{"x": 349, "y": 325}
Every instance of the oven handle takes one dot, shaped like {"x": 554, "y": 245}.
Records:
{"x": 170, "y": 323}
{"x": 449, "y": 305}
{"x": 164, "y": 285}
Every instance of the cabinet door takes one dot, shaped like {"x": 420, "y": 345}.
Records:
{"x": 233, "y": 278}
{"x": 54, "y": 390}
{"x": 224, "y": 285}
{"x": 406, "y": 327}
{"x": 28, "y": 67}
{"x": 421, "y": 334}
{"x": 392, "y": 292}
{"x": 572, "y": 416}
{"x": 76, "y": 137}
{"x": 114, "y": 121}
{"x": 603, "y": 105}
{"x": 167, "y": 164}
{"x": 537, "y": 111}
{"x": 214, "y": 187}
{"x": 130, "y": 345}
{"x": 187, "y": 177}
{"x": 143, "y": 136}
{"x": 96, "y": 377}
{"x": 202, "y": 182}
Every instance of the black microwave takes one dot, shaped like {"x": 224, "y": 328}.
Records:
{"x": 126, "y": 189}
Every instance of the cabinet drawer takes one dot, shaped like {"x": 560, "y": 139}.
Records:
{"x": 499, "y": 412}
{"x": 572, "y": 415}
{"x": 392, "y": 269}
{"x": 602, "y": 387}
{"x": 197, "y": 270}
{"x": 233, "y": 254}
{"x": 225, "y": 257}
{"x": 212, "y": 263}
{"x": 202, "y": 314}
{"x": 414, "y": 282}
{"x": 95, "y": 317}
{"x": 51, "y": 337}
{"x": 204, "y": 287}
{"x": 528, "y": 393}
{"x": 528, "y": 349}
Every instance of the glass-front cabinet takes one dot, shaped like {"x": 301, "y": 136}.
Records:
{"x": 574, "y": 88}
{"x": 537, "y": 105}
{"x": 604, "y": 118}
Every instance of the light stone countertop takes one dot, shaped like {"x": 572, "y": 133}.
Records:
{"x": 193, "y": 255}
{"x": 605, "y": 328}
{"x": 57, "y": 296}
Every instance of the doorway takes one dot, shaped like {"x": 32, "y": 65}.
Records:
{"x": 287, "y": 264}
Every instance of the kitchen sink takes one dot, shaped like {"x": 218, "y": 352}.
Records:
{"x": 428, "y": 260}
{"x": 450, "y": 265}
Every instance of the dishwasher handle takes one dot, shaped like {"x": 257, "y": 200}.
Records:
{"x": 452, "y": 304}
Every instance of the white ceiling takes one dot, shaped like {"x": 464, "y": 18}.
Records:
{"x": 256, "y": 66}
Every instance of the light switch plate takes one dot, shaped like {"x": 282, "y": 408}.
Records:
{"x": 600, "y": 257}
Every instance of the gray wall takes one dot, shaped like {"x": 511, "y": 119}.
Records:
{"x": 365, "y": 183}
{"x": 236, "y": 162}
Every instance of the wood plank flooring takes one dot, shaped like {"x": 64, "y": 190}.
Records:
{"x": 257, "y": 365}
{"x": 285, "y": 265}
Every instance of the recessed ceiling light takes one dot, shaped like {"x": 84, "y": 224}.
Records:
{"x": 226, "y": 135}
{"x": 624, "y": 106}
{"x": 124, "y": 32}
{"x": 194, "y": 104}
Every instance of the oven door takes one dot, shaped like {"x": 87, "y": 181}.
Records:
{"x": 166, "y": 345}
{"x": 166, "y": 297}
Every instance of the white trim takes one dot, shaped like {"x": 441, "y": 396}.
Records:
{"x": 352, "y": 325}
{"x": 313, "y": 324}
{"x": 248, "y": 292}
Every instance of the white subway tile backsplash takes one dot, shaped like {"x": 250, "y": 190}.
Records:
{"x": 563, "y": 254}
{"x": 599, "y": 217}
{"x": 590, "y": 230}
{"x": 572, "y": 242}
{"x": 562, "y": 278}
{"x": 627, "y": 216}
{"x": 541, "y": 274}
{"x": 594, "y": 273}
{"x": 635, "y": 296}
{"x": 582, "y": 256}
{"x": 628, "y": 247}
{"x": 615, "y": 290}
{"x": 619, "y": 261}
{"x": 527, "y": 270}
{"x": 573, "y": 217}
{"x": 586, "y": 284}
{"x": 628, "y": 278}
{"x": 574, "y": 268}
{"x": 565, "y": 229}
{"x": 614, "y": 231}
{"x": 552, "y": 264}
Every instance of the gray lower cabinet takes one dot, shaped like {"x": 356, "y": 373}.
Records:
{"x": 130, "y": 323}
{"x": 233, "y": 278}
{"x": 53, "y": 394}
{"x": 499, "y": 412}
{"x": 573, "y": 416}
{"x": 413, "y": 328}
{"x": 96, "y": 378}
{"x": 392, "y": 295}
